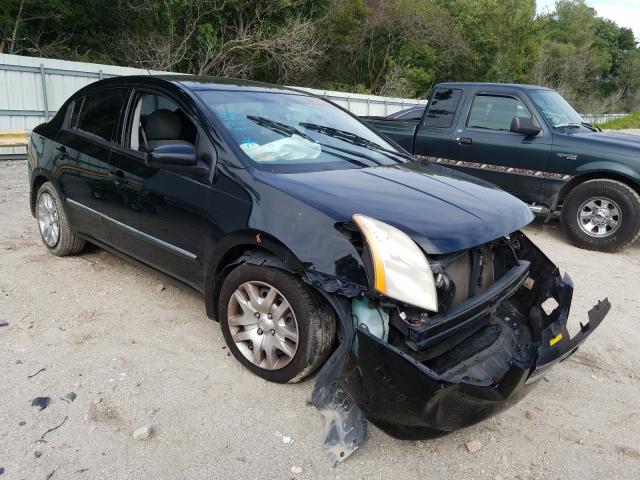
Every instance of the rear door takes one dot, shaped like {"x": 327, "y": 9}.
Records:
{"x": 160, "y": 217}
{"x": 81, "y": 168}
{"x": 516, "y": 163}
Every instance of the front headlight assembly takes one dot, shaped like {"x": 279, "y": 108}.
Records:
{"x": 401, "y": 271}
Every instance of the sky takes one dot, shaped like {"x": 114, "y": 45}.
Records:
{"x": 625, "y": 13}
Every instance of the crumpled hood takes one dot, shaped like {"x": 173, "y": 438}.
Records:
{"x": 441, "y": 209}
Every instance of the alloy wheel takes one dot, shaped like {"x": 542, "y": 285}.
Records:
{"x": 599, "y": 217}
{"x": 48, "y": 219}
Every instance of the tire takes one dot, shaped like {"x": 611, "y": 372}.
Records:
{"x": 306, "y": 312}
{"x": 620, "y": 204}
{"x": 50, "y": 212}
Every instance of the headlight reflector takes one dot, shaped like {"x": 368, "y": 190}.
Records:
{"x": 401, "y": 271}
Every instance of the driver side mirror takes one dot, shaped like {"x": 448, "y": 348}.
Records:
{"x": 525, "y": 126}
{"x": 177, "y": 154}
{"x": 177, "y": 157}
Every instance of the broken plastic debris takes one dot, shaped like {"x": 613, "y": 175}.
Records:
{"x": 69, "y": 397}
{"x": 41, "y": 402}
{"x": 4, "y": 324}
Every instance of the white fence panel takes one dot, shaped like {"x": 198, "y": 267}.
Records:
{"x": 33, "y": 89}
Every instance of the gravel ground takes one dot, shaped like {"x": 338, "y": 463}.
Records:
{"x": 137, "y": 353}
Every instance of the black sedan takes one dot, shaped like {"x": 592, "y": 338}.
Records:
{"x": 316, "y": 243}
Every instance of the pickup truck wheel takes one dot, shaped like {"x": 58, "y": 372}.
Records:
{"x": 55, "y": 230}
{"x": 602, "y": 215}
{"x": 274, "y": 324}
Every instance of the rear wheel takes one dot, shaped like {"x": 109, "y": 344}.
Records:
{"x": 274, "y": 324}
{"x": 602, "y": 215}
{"x": 55, "y": 231}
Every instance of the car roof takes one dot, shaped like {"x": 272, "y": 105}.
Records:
{"x": 196, "y": 83}
{"x": 518, "y": 86}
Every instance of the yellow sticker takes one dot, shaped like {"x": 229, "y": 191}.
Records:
{"x": 555, "y": 339}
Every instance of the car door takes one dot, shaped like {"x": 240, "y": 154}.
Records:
{"x": 514, "y": 162}
{"x": 80, "y": 166}
{"x": 160, "y": 217}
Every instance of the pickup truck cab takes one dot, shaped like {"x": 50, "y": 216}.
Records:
{"x": 530, "y": 142}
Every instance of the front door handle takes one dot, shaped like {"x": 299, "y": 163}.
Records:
{"x": 465, "y": 141}
{"x": 117, "y": 176}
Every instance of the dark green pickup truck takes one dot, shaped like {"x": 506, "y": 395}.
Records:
{"x": 529, "y": 141}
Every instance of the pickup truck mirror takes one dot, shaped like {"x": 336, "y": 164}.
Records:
{"x": 525, "y": 126}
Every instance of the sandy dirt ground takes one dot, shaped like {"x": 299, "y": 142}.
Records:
{"x": 138, "y": 354}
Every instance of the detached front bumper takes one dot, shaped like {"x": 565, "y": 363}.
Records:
{"x": 408, "y": 400}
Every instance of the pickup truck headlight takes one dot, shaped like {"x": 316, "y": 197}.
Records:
{"x": 401, "y": 271}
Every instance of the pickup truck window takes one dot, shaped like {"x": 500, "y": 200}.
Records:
{"x": 492, "y": 112}
{"x": 443, "y": 108}
{"x": 555, "y": 108}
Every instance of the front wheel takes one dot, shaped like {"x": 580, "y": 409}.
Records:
{"x": 602, "y": 215}
{"x": 274, "y": 324}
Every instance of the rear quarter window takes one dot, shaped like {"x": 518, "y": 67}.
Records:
{"x": 443, "y": 108}
{"x": 97, "y": 113}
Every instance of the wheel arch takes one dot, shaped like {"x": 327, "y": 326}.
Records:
{"x": 625, "y": 178}
{"x": 249, "y": 245}
{"x": 39, "y": 177}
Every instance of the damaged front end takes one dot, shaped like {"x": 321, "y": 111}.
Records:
{"x": 501, "y": 321}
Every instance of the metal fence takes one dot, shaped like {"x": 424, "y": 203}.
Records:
{"x": 32, "y": 89}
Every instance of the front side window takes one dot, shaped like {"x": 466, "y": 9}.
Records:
{"x": 97, "y": 113}
{"x": 288, "y": 132}
{"x": 491, "y": 112}
{"x": 443, "y": 108}
{"x": 158, "y": 121}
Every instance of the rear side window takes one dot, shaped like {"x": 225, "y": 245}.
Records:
{"x": 492, "y": 112}
{"x": 97, "y": 113}
{"x": 443, "y": 107}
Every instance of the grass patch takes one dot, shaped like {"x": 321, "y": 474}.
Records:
{"x": 630, "y": 121}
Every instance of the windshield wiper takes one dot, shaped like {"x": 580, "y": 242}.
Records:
{"x": 570, "y": 124}
{"x": 594, "y": 128}
{"x": 285, "y": 129}
{"x": 354, "y": 139}
{"x": 279, "y": 127}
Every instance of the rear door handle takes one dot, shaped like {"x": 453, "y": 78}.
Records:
{"x": 118, "y": 176}
{"x": 62, "y": 150}
{"x": 465, "y": 141}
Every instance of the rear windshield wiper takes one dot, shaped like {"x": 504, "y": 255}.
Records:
{"x": 354, "y": 139}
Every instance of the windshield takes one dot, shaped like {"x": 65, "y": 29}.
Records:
{"x": 290, "y": 132}
{"x": 555, "y": 108}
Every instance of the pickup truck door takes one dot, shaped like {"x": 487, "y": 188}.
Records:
{"x": 482, "y": 140}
